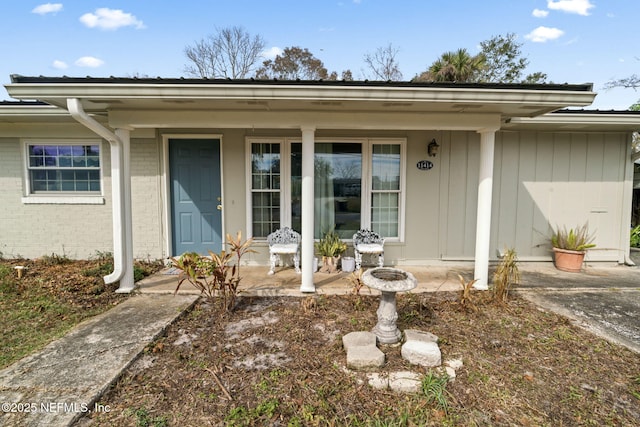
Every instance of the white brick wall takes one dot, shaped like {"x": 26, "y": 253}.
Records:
{"x": 33, "y": 230}
{"x": 78, "y": 231}
{"x": 146, "y": 198}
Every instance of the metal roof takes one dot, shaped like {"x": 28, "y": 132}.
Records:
{"x": 16, "y": 78}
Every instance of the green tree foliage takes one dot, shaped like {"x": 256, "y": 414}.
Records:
{"x": 230, "y": 53}
{"x": 458, "y": 66}
{"x": 500, "y": 61}
{"x": 537, "y": 77}
{"x": 295, "y": 63}
{"x": 504, "y": 62}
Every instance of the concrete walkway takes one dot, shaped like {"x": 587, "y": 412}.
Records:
{"x": 59, "y": 384}
{"x": 603, "y": 300}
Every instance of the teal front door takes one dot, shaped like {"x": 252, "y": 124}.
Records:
{"x": 196, "y": 206}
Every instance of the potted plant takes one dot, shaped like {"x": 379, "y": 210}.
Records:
{"x": 330, "y": 247}
{"x": 570, "y": 247}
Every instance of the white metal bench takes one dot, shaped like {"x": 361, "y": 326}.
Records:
{"x": 284, "y": 241}
{"x": 368, "y": 242}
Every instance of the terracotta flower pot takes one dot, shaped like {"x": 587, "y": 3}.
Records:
{"x": 567, "y": 260}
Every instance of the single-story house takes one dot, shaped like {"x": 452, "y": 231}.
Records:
{"x": 154, "y": 168}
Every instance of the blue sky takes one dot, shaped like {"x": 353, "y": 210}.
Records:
{"x": 573, "y": 41}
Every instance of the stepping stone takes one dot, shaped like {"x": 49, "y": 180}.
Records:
{"x": 365, "y": 357}
{"x": 362, "y": 352}
{"x": 405, "y": 382}
{"x": 358, "y": 339}
{"x": 421, "y": 348}
{"x": 378, "y": 381}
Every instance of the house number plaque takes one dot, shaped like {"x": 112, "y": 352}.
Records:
{"x": 424, "y": 165}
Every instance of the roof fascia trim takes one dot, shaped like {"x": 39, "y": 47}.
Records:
{"x": 50, "y": 91}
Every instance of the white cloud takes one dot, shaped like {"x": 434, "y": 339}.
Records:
{"x": 110, "y": 19}
{"x": 581, "y": 7}
{"x": 59, "y": 65}
{"x": 544, "y": 34}
{"x": 271, "y": 53}
{"x": 538, "y": 13}
{"x": 89, "y": 61}
{"x": 43, "y": 9}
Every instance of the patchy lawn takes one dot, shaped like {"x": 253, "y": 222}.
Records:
{"x": 54, "y": 294}
{"x": 279, "y": 361}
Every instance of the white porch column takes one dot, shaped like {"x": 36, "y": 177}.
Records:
{"x": 126, "y": 282}
{"x": 483, "y": 221}
{"x": 307, "y": 246}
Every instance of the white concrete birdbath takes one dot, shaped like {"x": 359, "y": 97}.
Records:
{"x": 389, "y": 281}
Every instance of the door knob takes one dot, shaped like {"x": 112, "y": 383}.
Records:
{"x": 219, "y": 207}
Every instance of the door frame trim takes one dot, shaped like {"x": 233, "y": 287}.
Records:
{"x": 166, "y": 186}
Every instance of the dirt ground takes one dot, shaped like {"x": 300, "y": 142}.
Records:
{"x": 279, "y": 361}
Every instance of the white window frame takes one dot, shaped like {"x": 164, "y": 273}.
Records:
{"x": 402, "y": 187}
{"x": 285, "y": 186}
{"x": 62, "y": 198}
{"x": 366, "y": 184}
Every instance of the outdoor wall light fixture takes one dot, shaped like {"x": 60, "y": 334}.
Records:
{"x": 432, "y": 148}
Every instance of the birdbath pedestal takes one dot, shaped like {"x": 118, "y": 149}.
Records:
{"x": 389, "y": 281}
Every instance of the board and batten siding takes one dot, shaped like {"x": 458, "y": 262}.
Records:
{"x": 459, "y": 194}
{"x": 541, "y": 180}
{"x": 544, "y": 180}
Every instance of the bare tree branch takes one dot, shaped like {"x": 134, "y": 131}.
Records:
{"x": 383, "y": 63}
{"x": 231, "y": 53}
{"x": 631, "y": 82}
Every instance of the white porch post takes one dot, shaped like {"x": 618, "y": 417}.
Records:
{"x": 483, "y": 221}
{"x": 307, "y": 247}
{"x": 126, "y": 282}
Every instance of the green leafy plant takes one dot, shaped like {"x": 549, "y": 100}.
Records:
{"x": 574, "y": 239}
{"x": 634, "y": 238}
{"x": 330, "y": 245}
{"x": 506, "y": 275}
{"x": 217, "y": 276}
{"x": 434, "y": 388}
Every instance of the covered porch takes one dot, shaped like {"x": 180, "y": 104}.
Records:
{"x": 125, "y": 106}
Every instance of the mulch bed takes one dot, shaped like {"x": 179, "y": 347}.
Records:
{"x": 279, "y": 361}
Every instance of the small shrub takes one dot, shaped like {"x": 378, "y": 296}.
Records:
{"x": 218, "y": 275}
{"x": 506, "y": 275}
